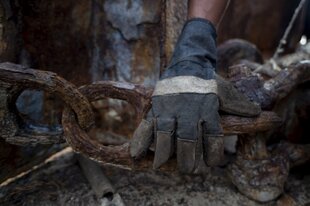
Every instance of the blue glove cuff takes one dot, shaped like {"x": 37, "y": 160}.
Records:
{"x": 195, "y": 51}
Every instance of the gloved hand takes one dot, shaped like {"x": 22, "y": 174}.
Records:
{"x": 184, "y": 115}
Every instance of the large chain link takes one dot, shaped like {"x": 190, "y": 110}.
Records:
{"x": 78, "y": 116}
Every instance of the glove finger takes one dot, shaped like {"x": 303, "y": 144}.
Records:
{"x": 210, "y": 115}
{"x": 142, "y": 137}
{"x": 164, "y": 141}
{"x": 213, "y": 144}
{"x": 188, "y": 145}
{"x": 213, "y": 150}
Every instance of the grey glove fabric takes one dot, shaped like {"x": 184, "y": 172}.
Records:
{"x": 184, "y": 117}
{"x": 195, "y": 51}
{"x": 186, "y": 123}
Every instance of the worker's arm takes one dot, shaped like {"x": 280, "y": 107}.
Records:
{"x": 212, "y": 10}
{"x": 184, "y": 116}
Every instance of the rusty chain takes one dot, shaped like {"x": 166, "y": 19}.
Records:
{"x": 78, "y": 115}
{"x": 78, "y": 118}
{"x": 13, "y": 80}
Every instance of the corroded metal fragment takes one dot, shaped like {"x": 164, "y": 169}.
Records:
{"x": 16, "y": 78}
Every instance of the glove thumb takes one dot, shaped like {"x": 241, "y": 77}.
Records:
{"x": 234, "y": 102}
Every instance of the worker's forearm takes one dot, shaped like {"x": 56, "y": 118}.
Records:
{"x": 211, "y": 10}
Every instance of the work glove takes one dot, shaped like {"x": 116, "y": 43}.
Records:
{"x": 184, "y": 116}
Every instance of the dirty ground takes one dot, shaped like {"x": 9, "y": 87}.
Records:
{"x": 60, "y": 181}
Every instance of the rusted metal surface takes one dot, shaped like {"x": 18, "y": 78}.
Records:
{"x": 14, "y": 79}
{"x": 24, "y": 78}
{"x": 86, "y": 41}
{"x": 268, "y": 92}
{"x": 137, "y": 95}
{"x": 234, "y": 51}
{"x": 261, "y": 179}
{"x": 241, "y": 63}
{"x": 241, "y": 125}
{"x": 260, "y": 172}
{"x": 172, "y": 23}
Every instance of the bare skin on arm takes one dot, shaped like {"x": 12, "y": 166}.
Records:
{"x": 211, "y": 10}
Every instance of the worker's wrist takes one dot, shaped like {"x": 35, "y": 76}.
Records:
{"x": 195, "y": 51}
{"x": 213, "y": 21}
{"x": 211, "y": 10}
{"x": 203, "y": 21}
{"x": 189, "y": 68}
